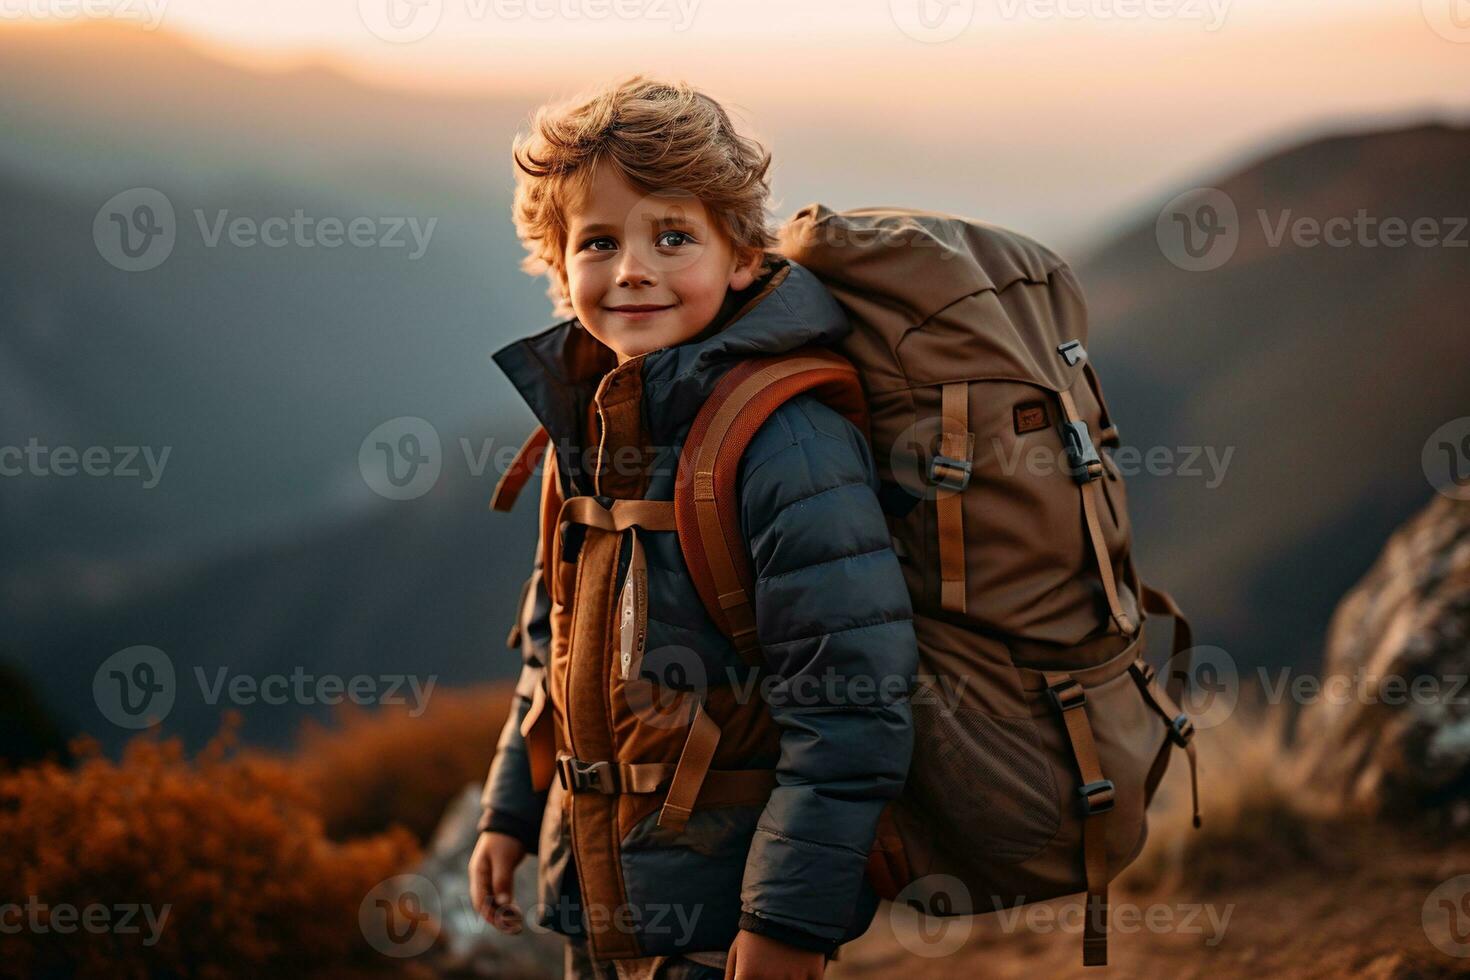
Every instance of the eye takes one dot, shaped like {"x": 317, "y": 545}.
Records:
{"x": 589, "y": 243}
{"x": 681, "y": 238}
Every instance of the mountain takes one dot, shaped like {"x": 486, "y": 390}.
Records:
{"x": 261, "y": 370}
{"x": 1323, "y": 368}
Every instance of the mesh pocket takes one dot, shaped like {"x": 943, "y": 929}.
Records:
{"x": 982, "y": 783}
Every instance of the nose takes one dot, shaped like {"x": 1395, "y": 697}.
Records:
{"x": 633, "y": 270}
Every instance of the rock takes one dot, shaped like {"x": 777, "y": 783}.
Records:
{"x": 1400, "y": 746}
{"x": 472, "y": 947}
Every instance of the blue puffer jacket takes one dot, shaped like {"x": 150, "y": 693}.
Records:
{"x": 834, "y": 622}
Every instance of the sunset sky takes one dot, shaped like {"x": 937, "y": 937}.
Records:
{"x": 1089, "y": 108}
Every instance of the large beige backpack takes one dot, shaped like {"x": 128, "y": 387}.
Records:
{"x": 1040, "y": 733}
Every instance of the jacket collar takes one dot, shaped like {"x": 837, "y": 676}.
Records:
{"x": 557, "y": 371}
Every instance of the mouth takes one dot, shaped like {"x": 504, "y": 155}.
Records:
{"x": 639, "y": 310}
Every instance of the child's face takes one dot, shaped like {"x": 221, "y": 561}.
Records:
{"x": 646, "y": 271}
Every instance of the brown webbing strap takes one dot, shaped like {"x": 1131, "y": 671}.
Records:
{"x": 1121, "y": 621}
{"x": 1070, "y": 699}
{"x": 548, "y": 542}
{"x": 1157, "y": 601}
{"x": 508, "y": 487}
{"x": 729, "y": 584}
{"x": 956, "y": 442}
{"x": 694, "y": 763}
{"x": 1181, "y": 729}
{"x": 651, "y": 515}
{"x": 1109, "y": 434}
{"x": 721, "y": 787}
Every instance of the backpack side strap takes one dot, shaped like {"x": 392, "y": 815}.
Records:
{"x": 1087, "y": 469}
{"x": 1096, "y": 800}
{"x": 949, "y": 471}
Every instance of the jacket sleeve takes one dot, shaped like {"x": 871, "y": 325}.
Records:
{"x": 508, "y": 802}
{"x": 835, "y": 623}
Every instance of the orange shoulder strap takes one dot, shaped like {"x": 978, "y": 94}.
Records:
{"x": 706, "y": 508}
{"x": 508, "y": 487}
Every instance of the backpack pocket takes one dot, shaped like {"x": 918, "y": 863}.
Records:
{"x": 1128, "y": 738}
{"x": 982, "y": 781}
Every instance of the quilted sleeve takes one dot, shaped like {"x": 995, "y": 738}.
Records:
{"x": 835, "y": 623}
{"x": 508, "y": 802}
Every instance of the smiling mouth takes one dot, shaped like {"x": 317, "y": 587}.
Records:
{"x": 639, "y": 308}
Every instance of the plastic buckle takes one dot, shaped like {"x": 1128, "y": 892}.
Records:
{"x": 1083, "y": 462}
{"x": 949, "y": 480}
{"x": 1096, "y": 797}
{"x": 1181, "y": 730}
{"x": 1067, "y": 694}
{"x": 1072, "y": 352}
{"x": 578, "y": 775}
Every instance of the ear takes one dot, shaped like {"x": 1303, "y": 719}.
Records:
{"x": 747, "y": 266}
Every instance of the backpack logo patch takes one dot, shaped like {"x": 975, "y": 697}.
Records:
{"x": 1030, "y": 416}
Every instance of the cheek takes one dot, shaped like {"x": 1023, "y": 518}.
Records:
{"x": 702, "y": 290}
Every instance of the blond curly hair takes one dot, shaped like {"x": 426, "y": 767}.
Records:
{"x": 661, "y": 136}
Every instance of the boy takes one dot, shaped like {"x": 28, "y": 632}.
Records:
{"x": 646, "y": 209}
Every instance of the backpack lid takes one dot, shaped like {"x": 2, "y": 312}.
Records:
{"x": 897, "y": 270}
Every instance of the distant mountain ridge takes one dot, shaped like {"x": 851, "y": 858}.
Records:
{"x": 1322, "y": 370}
{"x": 1325, "y": 367}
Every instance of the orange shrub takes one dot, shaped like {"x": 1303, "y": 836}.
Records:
{"x": 374, "y": 769}
{"x": 226, "y": 851}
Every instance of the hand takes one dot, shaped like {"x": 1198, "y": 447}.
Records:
{"x": 492, "y": 880}
{"x": 756, "y": 957}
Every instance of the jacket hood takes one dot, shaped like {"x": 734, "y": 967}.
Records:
{"x": 557, "y": 371}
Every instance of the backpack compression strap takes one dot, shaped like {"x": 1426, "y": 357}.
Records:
{"x": 705, "y": 504}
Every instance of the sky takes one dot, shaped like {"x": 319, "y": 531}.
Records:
{"x": 1092, "y": 111}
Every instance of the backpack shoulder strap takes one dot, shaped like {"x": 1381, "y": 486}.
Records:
{"x": 706, "y": 508}
{"x": 515, "y": 476}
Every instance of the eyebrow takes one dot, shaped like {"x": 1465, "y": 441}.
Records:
{"x": 668, "y": 221}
